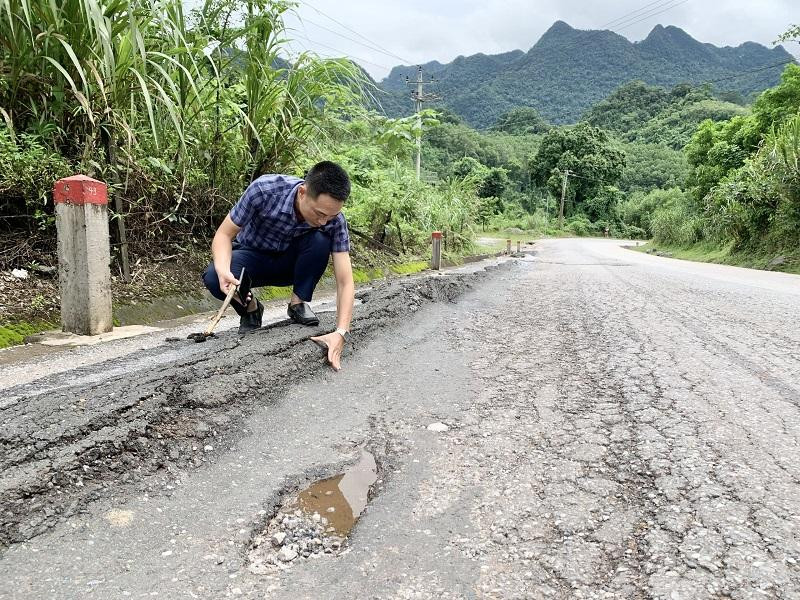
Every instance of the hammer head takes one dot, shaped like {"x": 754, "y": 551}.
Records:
{"x": 199, "y": 337}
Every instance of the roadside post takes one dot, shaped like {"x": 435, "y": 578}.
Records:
{"x": 84, "y": 254}
{"x": 436, "y": 250}
{"x": 519, "y": 246}
{"x": 508, "y": 246}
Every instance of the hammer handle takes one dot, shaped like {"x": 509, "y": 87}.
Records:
{"x": 225, "y": 305}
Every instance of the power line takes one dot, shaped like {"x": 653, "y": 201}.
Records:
{"x": 327, "y": 16}
{"x": 375, "y": 48}
{"x": 342, "y": 53}
{"x": 756, "y": 70}
{"x": 632, "y": 14}
{"x": 627, "y": 20}
{"x": 650, "y": 10}
{"x": 654, "y": 12}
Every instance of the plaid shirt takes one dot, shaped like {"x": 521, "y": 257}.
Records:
{"x": 268, "y": 221}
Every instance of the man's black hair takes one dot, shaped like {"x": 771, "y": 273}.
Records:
{"x": 327, "y": 177}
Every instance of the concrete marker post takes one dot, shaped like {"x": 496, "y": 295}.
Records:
{"x": 84, "y": 255}
{"x": 436, "y": 250}
{"x": 508, "y": 246}
{"x": 519, "y": 246}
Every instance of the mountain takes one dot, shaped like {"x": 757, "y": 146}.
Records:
{"x": 568, "y": 70}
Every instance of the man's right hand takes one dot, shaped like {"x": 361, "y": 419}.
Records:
{"x": 226, "y": 280}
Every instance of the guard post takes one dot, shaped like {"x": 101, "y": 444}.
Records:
{"x": 436, "y": 250}
{"x": 84, "y": 255}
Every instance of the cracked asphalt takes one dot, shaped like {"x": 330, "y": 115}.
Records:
{"x": 618, "y": 426}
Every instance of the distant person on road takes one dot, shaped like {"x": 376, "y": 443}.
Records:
{"x": 283, "y": 230}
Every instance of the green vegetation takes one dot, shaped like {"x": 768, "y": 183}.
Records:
{"x": 743, "y": 188}
{"x": 176, "y": 112}
{"x": 727, "y": 255}
{"x": 179, "y": 112}
{"x": 521, "y": 121}
{"x": 15, "y": 333}
{"x": 652, "y": 166}
{"x": 637, "y": 112}
{"x": 586, "y": 152}
{"x": 410, "y": 268}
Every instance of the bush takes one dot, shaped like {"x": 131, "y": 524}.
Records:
{"x": 638, "y": 210}
{"x": 27, "y": 174}
{"x": 759, "y": 203}
{"x": 515, "y": 218}
{"x": 629, "y": 232}
{"x": 581, "y": 226}
{"x": 676, "y": 225}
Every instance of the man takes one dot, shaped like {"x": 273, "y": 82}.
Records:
{"x": 285, "y": 230}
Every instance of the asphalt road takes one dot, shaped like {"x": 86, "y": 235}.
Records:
{"x": 618, "y": 426}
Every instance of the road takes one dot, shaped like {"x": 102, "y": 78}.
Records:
{"x": 586, "y": 422}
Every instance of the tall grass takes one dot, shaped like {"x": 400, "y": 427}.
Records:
{"x": 178, "y": 112}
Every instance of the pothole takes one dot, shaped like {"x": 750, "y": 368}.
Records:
{"x": 316, "y": 521}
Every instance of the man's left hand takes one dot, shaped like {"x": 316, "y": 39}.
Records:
{"x": 334, "y": 342}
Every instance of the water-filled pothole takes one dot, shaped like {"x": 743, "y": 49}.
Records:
{"x": 317, "y": 520}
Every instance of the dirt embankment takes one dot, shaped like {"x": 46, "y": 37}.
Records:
{"x": 60, "y": 450}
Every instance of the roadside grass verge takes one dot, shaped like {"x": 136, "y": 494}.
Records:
{"x": 786, "y": 261}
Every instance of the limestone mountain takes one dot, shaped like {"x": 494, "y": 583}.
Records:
{"x": 568, "y": 70}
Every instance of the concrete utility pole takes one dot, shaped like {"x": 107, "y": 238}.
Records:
{"x": 436, "y": 250}
{"x": 563, "y": 197}
{"x": 83, "y": 255}
{"x": 419, "y": 96}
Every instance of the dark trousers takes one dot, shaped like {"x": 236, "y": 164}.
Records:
{"x": 300, "y": 266}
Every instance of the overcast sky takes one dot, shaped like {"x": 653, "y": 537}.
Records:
{"x": 419, "y": 31}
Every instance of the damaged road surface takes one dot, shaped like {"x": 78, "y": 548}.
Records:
{"x": 588, "y": 422}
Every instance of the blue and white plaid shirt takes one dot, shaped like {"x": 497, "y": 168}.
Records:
{"x": 267, "y": 218}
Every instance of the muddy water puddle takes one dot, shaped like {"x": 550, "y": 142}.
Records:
{"x": 317, "y": 520}
{"x": 341, "y": 499}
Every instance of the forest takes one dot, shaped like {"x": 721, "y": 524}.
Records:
{"x": 177, "y": 112}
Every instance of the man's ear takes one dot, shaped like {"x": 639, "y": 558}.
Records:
{"x": 301, "y": 191}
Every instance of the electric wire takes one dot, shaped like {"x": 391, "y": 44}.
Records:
{"x": 755, "y": 70}
{"x": 342, "y": 53}
{"x": 375, "y": 48}
{"x": 363, "y": 37}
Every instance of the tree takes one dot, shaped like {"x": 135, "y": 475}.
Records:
{"x": 487, "y": 208}
{"x": 716, "y": 149}
{"x": 490, "y": 181}
{"x": 791, "y": 35}
{"x": 653, "y": 166}
{"x": 777, "y": 104}
{"x": 637, "y": 112}
{"x": 521, "y": 121}
{"x": 494, "y": 183}
{"x": 602, "y": 206}
{"x": 586, "y": 151}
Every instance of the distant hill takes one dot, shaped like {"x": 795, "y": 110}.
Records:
{"x": 568, "y": 71}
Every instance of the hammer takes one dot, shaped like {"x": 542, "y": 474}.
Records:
{"x": 209, "y": 332}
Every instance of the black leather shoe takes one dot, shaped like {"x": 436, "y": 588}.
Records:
{"x": 251, "y": 320}
{"x": 302, "y": 313}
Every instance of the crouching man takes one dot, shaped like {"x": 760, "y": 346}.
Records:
{"x": 283, "y": 230}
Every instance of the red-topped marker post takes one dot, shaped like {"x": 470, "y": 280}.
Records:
{"x": 84, "y": 254}
{"x": 436, "y": 250}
